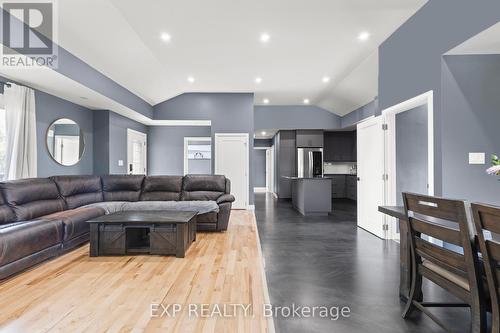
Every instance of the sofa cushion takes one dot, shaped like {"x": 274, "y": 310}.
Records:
{"x": 109, "y": 207}
{"x": 32, "y": 197}
{"x": 21, "y": 239}
{"x": 75, "y": 220}
{"x": 203, "y": 187}
{"x": 121, "y": 187}
{"x": 158, "y": 188}
{"x": 79, "y": 190}
{"x": 201, "y": 207}
{"x": 6, "y": 213}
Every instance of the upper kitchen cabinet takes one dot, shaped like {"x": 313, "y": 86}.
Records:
{"x": 340, "y": 147}
{"x": 310, "y": 139}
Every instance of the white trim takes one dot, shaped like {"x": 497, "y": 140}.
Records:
{"x": 250, "y": 207}
{"x": 246, "y": 138}
{"x": 155, "y": 122}
{"x": 262, "y": 148}
{"x": 427, "y": 99}
{"x": 145, "y": 136}
{"x": 186, "y": 142}
{"x": 260, "y": 189}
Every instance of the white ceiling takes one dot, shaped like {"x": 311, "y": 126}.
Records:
{"x": 485, "y": 42}
{"x": 217, "y": 42}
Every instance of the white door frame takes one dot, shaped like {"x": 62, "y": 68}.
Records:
{"x": 129, "y": 157}
{"x": 245, "y": 137}
{"x": 186, "y": 144}
{"x": 390, "y": 148}
{"x": 260, "y": 189}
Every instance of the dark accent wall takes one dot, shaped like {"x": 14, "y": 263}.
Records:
{"x": 295, "y": 116}
{"x": 410, "y": 60}
{"x": 48, "y": 109}
{"x": 166, "y": 147}
{"x": 262, "y": 142}
{"x": 101, "y": 142}
{"x": 228, "y": 113}
{"x": 111, "y": 141}
{"x": 259, "y": 168}
{"x": 471, "y": 118}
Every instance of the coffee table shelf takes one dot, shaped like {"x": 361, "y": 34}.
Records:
{"x": 143, "y": 232}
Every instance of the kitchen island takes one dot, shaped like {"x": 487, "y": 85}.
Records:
{"x": 312, "y": 195}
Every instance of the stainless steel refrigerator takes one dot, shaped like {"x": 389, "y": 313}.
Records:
{"x": 309, "y": 162}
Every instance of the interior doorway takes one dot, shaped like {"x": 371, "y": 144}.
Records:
{"x": 232, "y": 160}
{"x": 198, "y": 155}
{"x": 409, "y": 151}
{"x": 136, "y": 152}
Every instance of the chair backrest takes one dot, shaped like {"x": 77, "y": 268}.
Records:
{"x": 487, "y": 222}
{"x": 445, "y": 220}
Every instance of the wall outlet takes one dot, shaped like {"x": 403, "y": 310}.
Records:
{"x": 120, "y": 162}
{"x": 477, "y": 158}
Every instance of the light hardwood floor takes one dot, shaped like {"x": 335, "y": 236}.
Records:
{"x": 76, "y": 293}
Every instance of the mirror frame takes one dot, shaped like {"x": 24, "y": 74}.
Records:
{"x": 47, "y": 145}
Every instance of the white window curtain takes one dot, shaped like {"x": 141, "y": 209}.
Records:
{"x": 20, "y": 121}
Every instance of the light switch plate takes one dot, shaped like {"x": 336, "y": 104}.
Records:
{"x": 477, "y": 158}
{"x": 120, "y": 162}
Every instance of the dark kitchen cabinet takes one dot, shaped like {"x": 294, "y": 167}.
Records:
{"x": 340, "y": 147}
{"x": 309, "y": 139}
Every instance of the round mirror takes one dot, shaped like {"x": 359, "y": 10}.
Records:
{"x": 65, "y": 141}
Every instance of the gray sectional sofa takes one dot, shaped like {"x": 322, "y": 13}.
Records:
{"x": 44, "y": 217}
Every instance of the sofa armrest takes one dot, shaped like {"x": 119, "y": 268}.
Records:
{"x": 225, "y": 198}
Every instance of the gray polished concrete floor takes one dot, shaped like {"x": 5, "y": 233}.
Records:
{"x": 315, "y": 261}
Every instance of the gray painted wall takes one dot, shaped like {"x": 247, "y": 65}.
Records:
{"x": 259, "y": 168}
{"x": 294, "y": 117}
{"x": 262, "y": 142}
{"x": 166, "y": 147}
{"x": 358, "y": 115}
{"x": 228, "y": 112}
{"x": 118, "y": 140}
{"x": 48, "y": 109}
{"x": 410, "y": 59}
{"x": 411, "y": 152}
{"x": 471, "y": 118}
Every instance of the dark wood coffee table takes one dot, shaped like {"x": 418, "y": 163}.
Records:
{"x": 134, "y": 232}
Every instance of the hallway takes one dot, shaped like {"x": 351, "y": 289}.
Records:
{"x": 314, "y": 261}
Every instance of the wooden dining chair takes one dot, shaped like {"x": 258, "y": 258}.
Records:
{"x": 487, "y": 218}
{"x": 458, "y": 273}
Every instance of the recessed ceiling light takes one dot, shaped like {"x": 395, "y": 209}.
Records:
{"x": 258, "y": 80}
{"x": 165, "y": 37}
{"x": 265, "y": 101}
{"x": 265, "y": 37}
{"x": 306, "y": 100}
{"x": 190, "y": 79}
{"x": 263, "y": 133}
{"x": 364, "y": 36}
{"x": 325, "y": 79}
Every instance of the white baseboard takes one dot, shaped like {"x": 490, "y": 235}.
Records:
{"x": 260, "y": 189}
{"x": 251, "y": 207}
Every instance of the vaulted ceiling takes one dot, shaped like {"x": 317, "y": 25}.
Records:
{"x": 314, "y": 50}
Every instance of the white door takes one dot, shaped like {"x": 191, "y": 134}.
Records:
{"x": 136, "y": 152}
{"x": 371, "y": 182}
{"x": 231, "y": 160}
